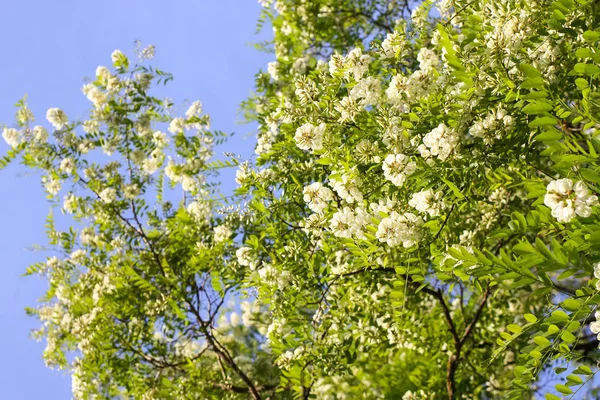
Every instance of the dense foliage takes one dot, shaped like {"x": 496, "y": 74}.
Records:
{"x": 420, "y": 220}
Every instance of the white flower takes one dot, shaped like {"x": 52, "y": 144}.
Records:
{"x": 427, "y": 59}
{"x": 310, "y": 137}
{"x": 131, "y": 191}
{"x": 57, "y": 118}
{"x": 222, "y": 233}
{"x": 368, "y": 89}
{"x": 272, "y": 69}
{"x": 392, "y": 45}
{"x": 67, "y": 165}
{"x": 177, "y": 125}
{"x": 52, "y": 185}
{"x": 199, "y": 210}
{"x": 246, "y": 257}
{"x": 70, "y": 203}
{"x": 160, "y": 139}
{"x": 347, "y": 187}
{"x": 348, "y": 108}
{"x": 317, "y": 196}
{"x": 189, "y": 184}
{"x": 566, "y": 200}
{"x": 346, "y": 223}
{"x": 118, "y": 58}
{"x": 40, "y": 134}
{"x": 95, "y": 95}
{"x": 584, "y": 200}
{"x": 440, "y": 142}
{"x": 12, "y": 137}
{"x": 427, "y": 201}
{"x": 356, "y": 63}
{"x": 396, "y": 168}
{"x": 402, "y": 229}
{"x": 194, "y": 110}
{"x": 336, "y": 62}
{"x": 78, "y": 256}
{"x": 108, "y": 195}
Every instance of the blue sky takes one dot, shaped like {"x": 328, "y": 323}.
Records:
{"x": 48, "y": 48}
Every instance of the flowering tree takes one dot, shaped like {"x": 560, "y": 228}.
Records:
{"x": 420, "y": 220}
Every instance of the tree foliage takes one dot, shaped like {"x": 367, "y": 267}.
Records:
{"x": 420, "y": 220}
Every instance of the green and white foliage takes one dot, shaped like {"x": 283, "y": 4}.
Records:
{"x": 425, "y": 200}
{"x": 142, "y": 300}
{"x": 420, "y": 221}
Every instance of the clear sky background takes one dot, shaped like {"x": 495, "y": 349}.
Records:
{"x": 48, "y": 48}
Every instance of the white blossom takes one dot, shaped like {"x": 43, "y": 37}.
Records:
{"x": 222, "y": 233}
{"x": 397, "y": 167}
{"x": 317, "y": 196}
{"x": 57, "y": 118}
{"x": 310, "y": 137}
{"x": 108, "y": 195}
{"x": 427, "y": 201}
{"x": 12, "y": 136}
{"x": 404, "y": 229}
{"x": 566, "y": 199}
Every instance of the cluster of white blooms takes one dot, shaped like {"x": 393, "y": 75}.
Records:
{"x": 348, "y": 108}
{"x": 347, "y": 223}
{"x": 393, "y": 45}
{"x": 566, "y": 199}
{"x": 40, "y": 134}
{"x": 200, "y": 210}
{"x": 284, "y": 361}
{"x": 272, "y": 70}
{"x": 246, "y": 257}
{"x": 427, "y": 201}
{"x": 70, "y": 203}
{"x": 402, "y": 89}
{"x": 310, "y": 137}
{"x": 57, "y": 118}
{"x": 222, "y": 233}
{"x": 108, "y": 195}
{"x": 595, "y": 325}
{"x": 12, "y": 136}
{"x": 367, "y": 91}
{"x": 402, "y": 229}
{"x": 95, "y": 95}
{"x": 194, "y": 110}
{"x": 440, "y": 142}
{"x": 177, "y": 125}
{"x": 317, "y": 196}
{"x": 597, "y": 274}
{"x": 347, "y": 187}
{"x": 67, "y": 165}
{"x": 397, "y": 167}
{"x": 492, "y": 126}
{"x": 52, "y": 185}
{"x": 118, "y": 58}
{"x": 367, "y": 152}
{"x": 356, "y": 63}
{"x": 306, "y": 90}
{"x": 428, "y": 60}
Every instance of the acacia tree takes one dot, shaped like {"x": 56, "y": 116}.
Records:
{"x": 422, "y": 214}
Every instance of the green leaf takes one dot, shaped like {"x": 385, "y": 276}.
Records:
{"x": 529, "y": 70}
{"x": 537, "y": 107}
{"x": 572, "y": 304}
{"x": 591, "y": 36}
{"x": 568, "y": 337}
{"x": 454, "y": 189}
{"x": 542, "y": 121}
{"x": 514, "y": 328}
{"x": 530, "y": 318}
{"x": 563, "y": 389}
